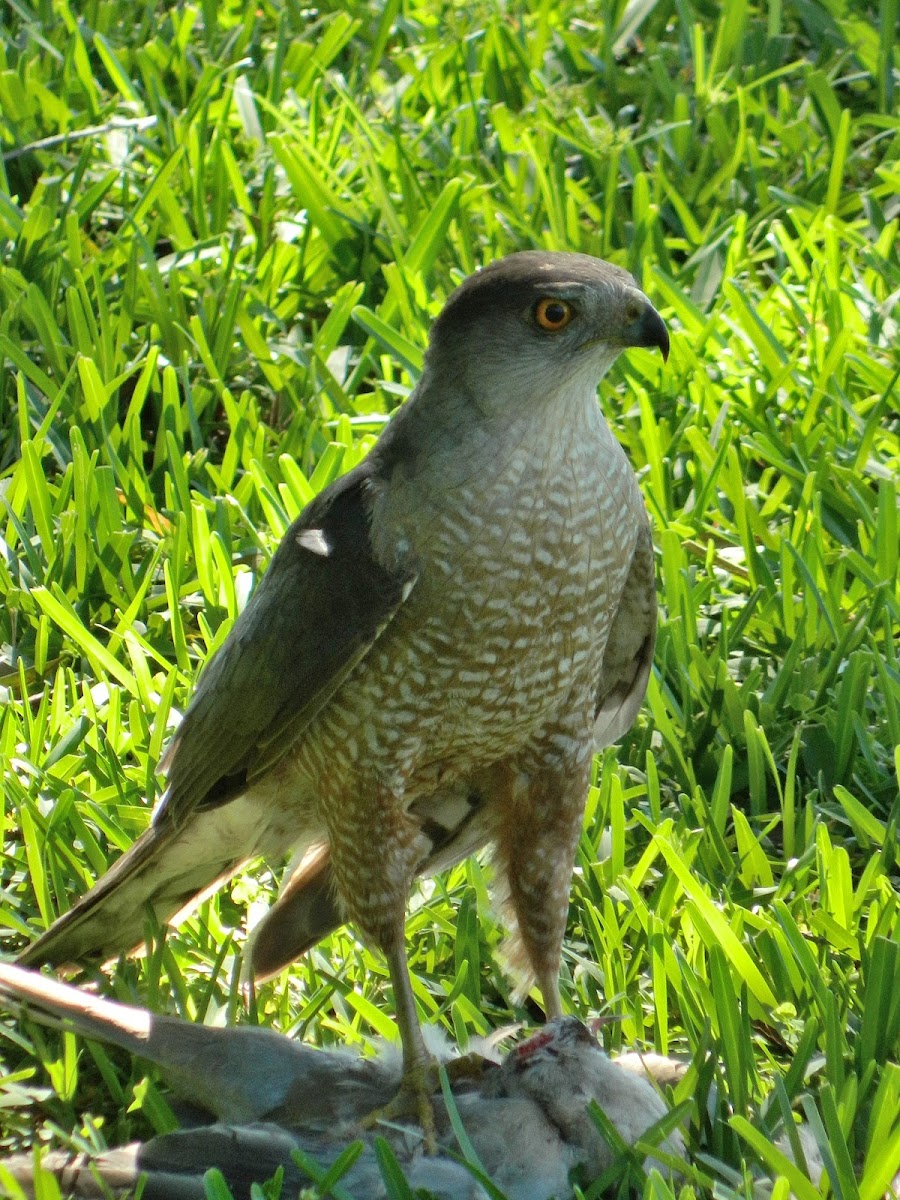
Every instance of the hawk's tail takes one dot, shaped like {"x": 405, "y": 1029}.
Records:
{"x": 306, "y": 911}
{"x": 166, "y": 872}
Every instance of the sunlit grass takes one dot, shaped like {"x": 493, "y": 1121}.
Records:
{"x": 224, "y": 230}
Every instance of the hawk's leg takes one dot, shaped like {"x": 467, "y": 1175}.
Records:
{"x": 540, "y": 820}
{"x": 373, "y": 874}
{"x": 420, "y": 1077}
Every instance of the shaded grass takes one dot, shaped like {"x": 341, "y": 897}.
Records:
{"x": 204, "y": 317}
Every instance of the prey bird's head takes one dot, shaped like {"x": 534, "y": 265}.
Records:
{"x": 538, "y": 324}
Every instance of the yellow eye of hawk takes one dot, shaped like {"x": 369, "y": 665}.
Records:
{"x": 553, "y": 314}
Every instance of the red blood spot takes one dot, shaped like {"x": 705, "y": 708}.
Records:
{"x": 533, "y": 1044}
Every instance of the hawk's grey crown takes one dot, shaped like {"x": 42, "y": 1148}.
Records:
{"x": 489, "y": 320}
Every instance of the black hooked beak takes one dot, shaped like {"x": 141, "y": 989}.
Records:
{"x": 650, "y": 331}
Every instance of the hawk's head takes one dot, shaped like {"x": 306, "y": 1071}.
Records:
{"x": 535, "y": 323}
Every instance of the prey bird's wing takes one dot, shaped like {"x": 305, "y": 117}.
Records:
{"x": 234, "y": 1073}
{"x": 319, "y": 608}
{"x": 316, "y": 613}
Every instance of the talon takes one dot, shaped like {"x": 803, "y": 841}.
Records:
{"x": 413, "y": 1099}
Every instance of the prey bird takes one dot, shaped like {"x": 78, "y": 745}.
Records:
{"x": 443, "y": 639}
{"x": 265, "y": 1095}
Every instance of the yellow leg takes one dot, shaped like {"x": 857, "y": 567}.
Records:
{"x": 420, "y": 1078}
{"x": 373, "y": 875}
{"x": 548, "y": 982}
{"x": 419, "y": 1067}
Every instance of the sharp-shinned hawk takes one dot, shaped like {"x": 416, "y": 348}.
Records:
{"x": 441, "y": 642}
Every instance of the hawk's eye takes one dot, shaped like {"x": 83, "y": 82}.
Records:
{"x": 553, "y": 314}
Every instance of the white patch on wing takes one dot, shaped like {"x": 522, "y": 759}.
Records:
{"x": 315, "y": 541}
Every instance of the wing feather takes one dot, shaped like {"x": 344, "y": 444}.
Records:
{"x": 629, "y": 649}
{"x": 316, "y": 613}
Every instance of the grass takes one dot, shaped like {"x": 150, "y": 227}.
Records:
{"x": 224, "y": 230}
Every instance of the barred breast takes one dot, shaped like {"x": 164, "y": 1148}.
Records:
{"x": 522, "y": 566}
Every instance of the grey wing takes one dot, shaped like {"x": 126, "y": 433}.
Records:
{"x": 317, "y": 611}
{"x": 629, "y": 649}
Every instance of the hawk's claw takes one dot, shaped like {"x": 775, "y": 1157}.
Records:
{"x": 413, "y": 1099}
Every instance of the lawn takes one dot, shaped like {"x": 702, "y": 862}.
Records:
{"x": 224, "y": 232}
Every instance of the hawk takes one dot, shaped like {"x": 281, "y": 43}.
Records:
{"x": 443, "y": 639}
